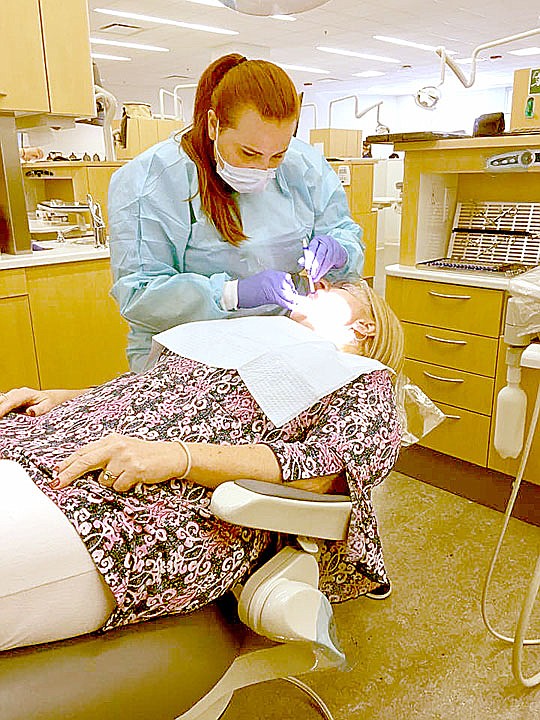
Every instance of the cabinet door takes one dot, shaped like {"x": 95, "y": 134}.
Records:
{"x": 79, "y": 334}
{"x": 18, "y": 358}
{"x": 67, "y": 56}
{"x": 23, "y": 83}
{"x": 98, "y": 186}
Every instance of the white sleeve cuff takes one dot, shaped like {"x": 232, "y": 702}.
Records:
{"x": 229, "y": 296}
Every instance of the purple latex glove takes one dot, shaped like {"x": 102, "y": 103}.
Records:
{"x": 269, "y": 287}
{"x": 323, "y": 254}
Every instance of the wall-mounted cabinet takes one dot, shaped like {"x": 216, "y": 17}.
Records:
{"x": 43, "y": 68}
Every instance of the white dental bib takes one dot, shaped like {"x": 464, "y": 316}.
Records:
{"x": 285, "y": 366}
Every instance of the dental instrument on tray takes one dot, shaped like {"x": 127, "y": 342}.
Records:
{"x": 305, "y": 247}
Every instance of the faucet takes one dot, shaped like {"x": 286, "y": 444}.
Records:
{"x": 98, "y": 224}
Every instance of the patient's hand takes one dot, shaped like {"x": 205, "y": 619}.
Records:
{"x": 34, "y": 402}
{"x": 124, "y": 461}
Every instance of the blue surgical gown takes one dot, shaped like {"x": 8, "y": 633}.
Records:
{"x": 169, "y": 262}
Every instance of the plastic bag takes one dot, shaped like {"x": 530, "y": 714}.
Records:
{"x": 418, "y": 414}
{"x": 525, "y": 289}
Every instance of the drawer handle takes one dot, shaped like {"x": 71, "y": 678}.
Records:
{"x": 438, "y": 377}
{"x": 447, "y": 342}
{"x": 3, "y": 94}
{"x": 449, "y": 297}
{"x": 452, "y": 417}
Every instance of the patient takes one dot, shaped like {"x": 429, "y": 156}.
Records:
{"x": 104, "y": 517}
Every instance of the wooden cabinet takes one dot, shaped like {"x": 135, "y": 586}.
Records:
{"x": 18, "y": 365}
{"x": 360, "y": 198}
{"x": 142, "y": 133}
{"x": 68, "y": 181}
{"x": 451, "y": 346}
{"x": 45, "y": 64}
{"x": 66, "y": 40}
{"x": 23, "y": 80}
{"x": 79, "y": 335}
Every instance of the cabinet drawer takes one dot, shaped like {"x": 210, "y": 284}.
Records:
{"x": 12, "y": 283}
{"x": 462, "y": 435}
{"x": 462, "y": 351}
{"x": 454, "y": 387}
{"x": 456, "y": 307}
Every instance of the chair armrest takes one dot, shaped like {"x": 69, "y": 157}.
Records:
{"x": 268, "y": 506}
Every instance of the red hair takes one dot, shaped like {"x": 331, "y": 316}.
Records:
{"x": 228, "y": 86}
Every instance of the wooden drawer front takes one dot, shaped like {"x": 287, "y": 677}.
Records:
{"x": 455, "y": 387}
{"x": 469, "y": 309}
{"x": 462, "y": 435}
{"x": 12, "y": 283}
{"x": 462, "y": 351}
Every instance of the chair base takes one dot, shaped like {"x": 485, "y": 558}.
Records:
{"x": 251, "y": 668}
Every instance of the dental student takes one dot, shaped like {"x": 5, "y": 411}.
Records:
{"x": 212, "y": 225}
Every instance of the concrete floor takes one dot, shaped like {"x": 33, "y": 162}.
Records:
{"x": 424, "y": 652}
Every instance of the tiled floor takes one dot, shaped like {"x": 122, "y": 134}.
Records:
{"x": 424, "y": 653}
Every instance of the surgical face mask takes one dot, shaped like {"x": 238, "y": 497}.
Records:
{"x": 242, "y": 179}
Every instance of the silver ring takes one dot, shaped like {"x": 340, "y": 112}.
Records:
{"x": 109, "y": 476}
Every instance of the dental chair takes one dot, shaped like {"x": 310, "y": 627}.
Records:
{"x": 187, "y": 667}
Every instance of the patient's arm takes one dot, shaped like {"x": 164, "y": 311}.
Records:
{"x": 35, "y": 402}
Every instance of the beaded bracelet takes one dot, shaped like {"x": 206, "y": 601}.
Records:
{"x": 188, "y": 458}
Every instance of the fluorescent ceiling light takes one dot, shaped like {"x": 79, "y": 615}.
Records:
{"x": 407, "y": 43}
{"x": 165, "y": 21}
{"x": 302, "y": 68}
{"x": 364, "y": 56}
{"x": 184, "y": 86}
{"x": 525, "y": 51}
{"x": 289, "y": 18}
{"x": 102, "y": 56}
{"x": 369, "y": 73}
{"x": 135, "y": 46}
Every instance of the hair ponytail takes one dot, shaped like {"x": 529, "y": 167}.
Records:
{"x": 228, "y": 86}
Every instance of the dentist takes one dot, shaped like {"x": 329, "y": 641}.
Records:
{"x": 212, "y": 225}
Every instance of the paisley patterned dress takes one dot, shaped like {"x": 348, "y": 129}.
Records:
{"x": 158, "y": 547}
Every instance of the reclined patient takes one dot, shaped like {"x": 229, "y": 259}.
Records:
{"x": 104, "y": 517}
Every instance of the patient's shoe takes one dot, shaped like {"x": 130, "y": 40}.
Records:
{"x": 380, "y": 593}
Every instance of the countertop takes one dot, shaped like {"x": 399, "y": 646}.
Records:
{"x": 470, "y": 279}
{"x": 56, "y": 252}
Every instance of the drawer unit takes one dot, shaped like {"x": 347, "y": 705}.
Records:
{"x": 449, "y": 348}
{"x": 453, "y": 387}
{"x": 463, "y": 435}
{"x": 451, "y": 344}
{"x": 467, "y": 309}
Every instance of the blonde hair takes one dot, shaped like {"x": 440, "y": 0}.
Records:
{"x": 388, "y": 343}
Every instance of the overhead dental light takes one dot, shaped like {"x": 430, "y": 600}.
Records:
{"x": 379, "y": 129}
{"x": 266, "y": 8}
{"x": 428, "y": 96}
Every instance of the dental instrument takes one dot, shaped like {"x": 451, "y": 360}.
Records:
{"x": 305, "y": 248}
